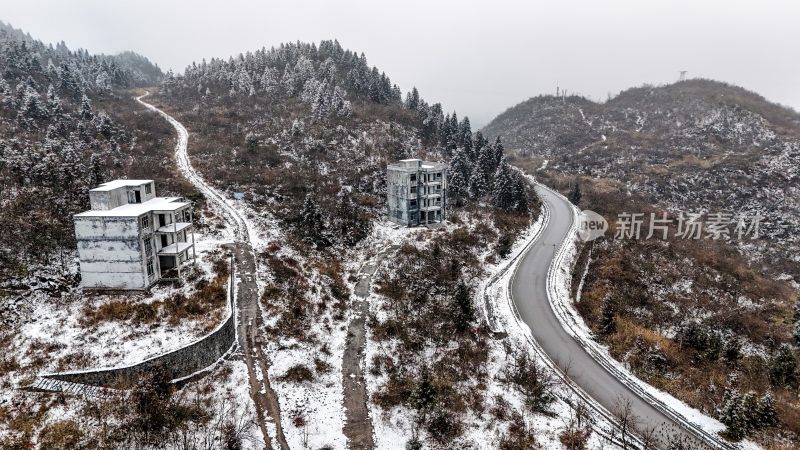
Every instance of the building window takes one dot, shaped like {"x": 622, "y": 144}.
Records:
{"x": 412, "y": 204}
{"x": 145, "y": 222}
{"x": 413, "y": 188}
{"x": 148, "y": 247}
{"x": 147, "y": 188}
{"x": 149, "y": 267}
{"x": 413, "y": 178}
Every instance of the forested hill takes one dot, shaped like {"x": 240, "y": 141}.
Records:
{"x": 323, "y": 114}
{"x": 67, "y": 122}
{"x": 22, "y": 56}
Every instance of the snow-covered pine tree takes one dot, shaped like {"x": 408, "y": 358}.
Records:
{"x": 465, "y": 135}
{"x": 289, "y": 82}
{"x": 104, "y": 125}
{"x": 5, "y": 91}
{"x": 311, "y": 224}
{"x": 412, "y": 99}
{"x": 783, "y": 370}
{"x": 767, "y": 416}
{"x": 269, "y": 81}
{"x": 53, "y": 105}
{"x": 103, "y": 82}
{"x": 95, "y": 171}
{"x": 520, "y": 194}
{"x": 445, "y": 131}
{"x": 339, "y": 103}
{"x": 479, "y": 182}
{"x": 503, "y": 188}
{"x": 499, "y": 150}
{"x": 477, "y": 146}
{"x": 30, "y": 107}
{"x": 85, "y": 111}
{"x": 460, "y": 169}
{"x": 730, "y": 413}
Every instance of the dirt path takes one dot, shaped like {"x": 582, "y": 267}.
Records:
{"x": 248, "y": 312}
{"x": 358, "y": 424}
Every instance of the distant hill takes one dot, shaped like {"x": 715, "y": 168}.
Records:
{"x": 696, "y": 145}
{"x": 21, "y": 56}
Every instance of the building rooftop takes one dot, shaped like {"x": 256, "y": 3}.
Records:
{"x": 414, "y": 164}
{"x": 137, "y": 209}
{"x": 111, "y": 185}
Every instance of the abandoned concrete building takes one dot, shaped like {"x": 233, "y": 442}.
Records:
{"x": 130, "y": 238}
{"x": 416, "y": 192}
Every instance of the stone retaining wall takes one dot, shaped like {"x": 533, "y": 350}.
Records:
{"x": 179, "y": 364}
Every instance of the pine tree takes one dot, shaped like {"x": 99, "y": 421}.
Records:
{"x": 312, "y": 224}
{"x": 30, "y": 107}
{"x": 458, "y": 182}
{"x": 269, "y": 81}
{"x": 478, "y": 145}
{"x": 520, "y": 195}
{"x": 730, "y": 413}
{"x": 783, "y": 371}
{"x": 503, "y": 188}
{"x": 103, "y": 82}
{"x": 95, "y": 171}
{"x": 478, "y": 182}
{"x": 499, "y": 151}
{"x": 412, "y": 99}
{"x": 54, "y": 108}
{"x": 465, "y": 135}
{"x": 767, "y": 416}
{"x": 575, "y": 194}
{"x": 486, "y": 159}
{"x": 86, "y": 108}
{"x": 463, "y": 310}
{"x": 5, "y": 91}
{"x": 608, "y": 313}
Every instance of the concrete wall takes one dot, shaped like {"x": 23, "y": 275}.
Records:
{"x": 180, "y": 363}
{"x": 104, "y": 200}
{"x": 111, "y": 253}
{"x": 398, "y": 188}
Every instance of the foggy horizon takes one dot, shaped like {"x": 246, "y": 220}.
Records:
{"x": 475, "y": 58}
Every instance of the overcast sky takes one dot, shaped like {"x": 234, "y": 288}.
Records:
{"x": 478, "y": 58}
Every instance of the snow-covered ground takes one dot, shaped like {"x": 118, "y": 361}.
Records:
{"x": 54, "y": 336}
{"x": 392, "y": 429}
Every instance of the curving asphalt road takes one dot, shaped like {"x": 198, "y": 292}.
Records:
{"x": 529, "y": 294}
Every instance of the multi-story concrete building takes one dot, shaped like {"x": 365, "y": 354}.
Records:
{"x": 416, "y": 192}
{"x": 130, "y": 238}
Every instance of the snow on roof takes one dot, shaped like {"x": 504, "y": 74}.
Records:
{"x": 137, "y": 209}
{"x": 111, "y": 185}
{"x": 414, "y": 164}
